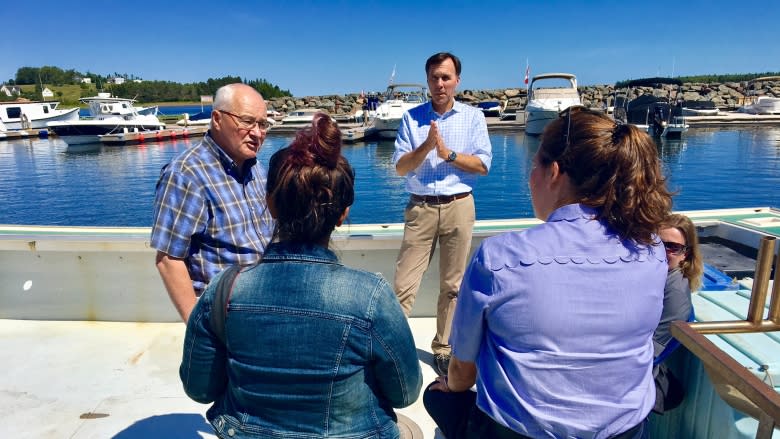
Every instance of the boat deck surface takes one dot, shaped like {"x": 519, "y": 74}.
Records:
{"x": 97, "y": 380}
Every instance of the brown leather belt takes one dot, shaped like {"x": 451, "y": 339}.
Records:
{"x": 438, "y": 199}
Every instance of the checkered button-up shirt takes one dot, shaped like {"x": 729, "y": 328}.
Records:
{"x": 209, "y": 214}
{"x": 463, "y": 129}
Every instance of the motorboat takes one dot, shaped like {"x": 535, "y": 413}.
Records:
{"x": 398, "y": 99}
{"x": 71, "y": 296}
{"x": 491, "y": 108}
{"x": 545, "y": 103}
{"x": 300, "y": 117}
{"x": 108, "y": 115}
{"x": 203, "y": 118}
{"x": 18, "y": 115}
{"x": 756, "y": 103}
{"x": 658, "y": 112}
{"x": 699, "y": 108}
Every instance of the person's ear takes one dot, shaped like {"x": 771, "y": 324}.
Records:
{"x": 343, "y": 217}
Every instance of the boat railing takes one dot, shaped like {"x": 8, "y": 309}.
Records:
{"x": 763, "y": 402}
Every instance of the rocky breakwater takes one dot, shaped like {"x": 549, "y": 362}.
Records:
{"x": 726, "y": 96}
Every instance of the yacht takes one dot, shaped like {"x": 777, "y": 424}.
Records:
{"x": 398, "y": 99}
{"x": 19, "y": 115}
{"x": 760, "y": 104}
{"x": 108, "y": 115}
{"x": 545, "y": 103}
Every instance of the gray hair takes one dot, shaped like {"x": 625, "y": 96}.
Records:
{"x": 223, "y": 100}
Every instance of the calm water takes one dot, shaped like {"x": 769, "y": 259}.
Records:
{"x": 44, "y": 182}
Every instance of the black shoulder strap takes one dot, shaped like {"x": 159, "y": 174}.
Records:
{"x": 221, "y": 298}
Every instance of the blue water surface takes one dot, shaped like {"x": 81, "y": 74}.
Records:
{"x": 42, "y": 181}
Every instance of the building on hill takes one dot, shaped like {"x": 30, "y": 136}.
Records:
{"x": 46, "y": 93}
{"x": 11, "y": 90}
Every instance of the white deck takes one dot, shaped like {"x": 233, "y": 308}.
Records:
{"x": 97, "y": 380}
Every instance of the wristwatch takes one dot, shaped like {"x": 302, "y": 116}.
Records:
{"x": 453, "y": 155}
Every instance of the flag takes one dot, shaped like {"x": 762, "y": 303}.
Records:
{"x": 527, "y": 72}
{"x": 362, "y": 94}
{"x": 392, "y": 75}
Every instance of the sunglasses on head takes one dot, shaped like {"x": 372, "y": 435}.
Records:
{"x": 675, "y": 248}
{"x": 567, "y": 112}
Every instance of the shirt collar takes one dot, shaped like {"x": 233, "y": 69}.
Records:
{"x": 456, "y": 108}
{"x": 277, "y": 251}
{"x": 228, "y": 163}
{"x": 571, "y": 212}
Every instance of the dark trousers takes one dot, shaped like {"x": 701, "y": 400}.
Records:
{"x": 458, "y": 417}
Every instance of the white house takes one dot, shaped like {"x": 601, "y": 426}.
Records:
{"x": 46, "y": 93}
{"x": 10, "y": 90}
{"x": 86, "y": 80}
{"x": 117, "y": 80}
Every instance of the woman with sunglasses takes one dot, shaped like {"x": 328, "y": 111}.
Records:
{"x": 681, "y": 242}
{"x": 308, "y": 347}
{"x": 554, "y": 324}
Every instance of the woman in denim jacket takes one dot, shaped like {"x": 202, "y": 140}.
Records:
{"x": 312, "y": 348}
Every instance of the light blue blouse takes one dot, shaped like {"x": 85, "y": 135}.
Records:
{"x": 559, "y": 320}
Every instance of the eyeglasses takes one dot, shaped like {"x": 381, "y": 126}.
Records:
{"x": 675, "y": 248}
{"x": 246, "y": 123}
{"x": 567, "y": 112}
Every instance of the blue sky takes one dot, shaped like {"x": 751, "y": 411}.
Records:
{"x": 336, "y": 47}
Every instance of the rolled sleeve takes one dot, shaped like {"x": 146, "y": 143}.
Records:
{"x": 481, "y": 141}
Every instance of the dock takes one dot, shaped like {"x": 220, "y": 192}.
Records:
{"x": 131, "y": 138}
{"x": 23, "y": 134}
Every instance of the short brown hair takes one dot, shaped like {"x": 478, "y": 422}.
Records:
{"x": 439, "y": 58}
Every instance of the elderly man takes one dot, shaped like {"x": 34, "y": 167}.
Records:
{"x": 210, "y": 210}
{"x": 441, "y": 148}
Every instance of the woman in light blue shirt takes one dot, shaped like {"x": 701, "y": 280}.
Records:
{"x": 554, "y": 324}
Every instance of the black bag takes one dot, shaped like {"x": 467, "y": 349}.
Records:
{"x": 669, "y": 391}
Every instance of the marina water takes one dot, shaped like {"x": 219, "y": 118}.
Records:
{"x": 43, "y": 182}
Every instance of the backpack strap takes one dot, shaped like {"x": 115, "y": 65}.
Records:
{"x": 219, "y": 311}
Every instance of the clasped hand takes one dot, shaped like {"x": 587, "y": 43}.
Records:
{"x": 434, "y": 140}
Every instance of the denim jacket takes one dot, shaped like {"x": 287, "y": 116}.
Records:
{"x": 314, "y": 349}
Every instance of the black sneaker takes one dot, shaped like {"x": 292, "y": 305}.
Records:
{"x": 441, "y": 364}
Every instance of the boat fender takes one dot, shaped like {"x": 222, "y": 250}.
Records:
{"x": 140, "y": 137}
{"x": 185, "y": 133}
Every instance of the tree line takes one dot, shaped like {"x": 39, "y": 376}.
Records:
{"x": 144, "y": 91}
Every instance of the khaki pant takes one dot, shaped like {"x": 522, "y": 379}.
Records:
{"x": 450, "y": 224}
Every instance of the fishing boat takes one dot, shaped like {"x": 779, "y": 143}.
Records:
{"x": 108, "y": 115}
{"x": 398, "y": 99}
{"x": 658, "y": 112}
{"x": 19, "y": 115}
{"x": 545, "y": 103}
{"x": 92, "y": 344}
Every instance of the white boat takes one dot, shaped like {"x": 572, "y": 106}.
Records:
{"x": 90, "y": 301}
{"x": 33, "y": 115}
{"x": 301, "y": 117}
{"x": 699, "y": 108}
{"x": 398, "y": 99}
{"x": 109, "y": 115}
{"x": 659, "y": 113}
{"x": 760, "y": 104}
{"x": 545, "y": 103}
{"x": 199, "y": 119}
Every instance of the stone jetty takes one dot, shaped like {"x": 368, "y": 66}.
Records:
{"x": 726, "y": 96}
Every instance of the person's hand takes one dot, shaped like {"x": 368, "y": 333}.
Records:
{"x": 433, "y": 138}
{"x": 440, "y": 384}
{"x": 441, "y": 149}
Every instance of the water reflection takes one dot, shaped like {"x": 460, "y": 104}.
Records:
{"x": 43, "y": 181}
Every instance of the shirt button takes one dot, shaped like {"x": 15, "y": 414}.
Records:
{"x": 231, "y": 432}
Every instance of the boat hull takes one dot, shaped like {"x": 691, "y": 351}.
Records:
{"x": 537, "y": 119}
{"x": 386, "y": 127}
{"x": 42, "y": 122}
{"x": 86, "y": 132}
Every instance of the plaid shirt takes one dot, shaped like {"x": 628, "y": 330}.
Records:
{"x": 463, "y": 129}
{"x": 208, "y": 214}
